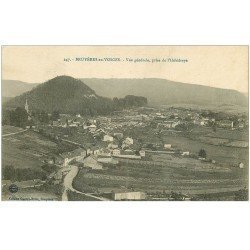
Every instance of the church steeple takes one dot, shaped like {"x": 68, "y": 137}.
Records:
{"x": 26, "y": 106}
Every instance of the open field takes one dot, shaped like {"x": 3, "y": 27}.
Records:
{"x": 25, "y": 150}
{"x": 222, "y": 154}
{"x": 234, "y": 150}
{"x": 227, "y": 108}
{"x": 238, "y": 135}
{"x": 182, "y": 177}
{"x": 168, "y": 172}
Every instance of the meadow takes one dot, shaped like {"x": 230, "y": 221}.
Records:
{"x": 26, "y": 150}
{"x": 183, "y": 176}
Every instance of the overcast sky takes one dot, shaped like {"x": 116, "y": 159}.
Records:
{"x": 216, "y": 66}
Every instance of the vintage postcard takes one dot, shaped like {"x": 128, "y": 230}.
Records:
{"x": 133, "y": 123}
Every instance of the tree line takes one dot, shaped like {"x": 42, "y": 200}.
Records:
{"x": 102, "y": 106}
{"x": 130, "y": 101}
{"x": 19, "y": 117}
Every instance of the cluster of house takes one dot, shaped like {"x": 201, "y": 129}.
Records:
{"x": 112, "y": 146}
{"x": 96, "y": 156}
{"x": 172, "y": 119}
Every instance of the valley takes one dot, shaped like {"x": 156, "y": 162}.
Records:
{"x": 65, "y": 140}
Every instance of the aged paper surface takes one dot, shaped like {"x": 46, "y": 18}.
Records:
{"x": 125, "y": 123}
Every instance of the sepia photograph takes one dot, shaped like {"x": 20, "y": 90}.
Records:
{"x": 125, "y": 123}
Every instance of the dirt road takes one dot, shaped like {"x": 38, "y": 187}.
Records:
{"x": 19, "y": 132}
{"x": 68, "y": 179}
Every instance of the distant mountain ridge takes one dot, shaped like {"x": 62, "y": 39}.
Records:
{"x": 13, "y": 88}
{"x": 157, "y": 91}
{"x": 161, "y": 91}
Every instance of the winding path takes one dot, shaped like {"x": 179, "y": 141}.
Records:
{"x": 19, "y": 132}
{"x": 68, "y": 179}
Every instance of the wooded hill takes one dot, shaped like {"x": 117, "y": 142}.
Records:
{"x": 69, "y": 95}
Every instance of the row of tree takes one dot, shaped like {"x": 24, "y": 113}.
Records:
{"x": 130, "y": 101}
{"x": 19, "y": 117}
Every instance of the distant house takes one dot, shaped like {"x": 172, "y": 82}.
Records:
{"x": 142, "y": 153}
{"x": 52, "y": 160}
{"x": 241, "y": 165}
{"x": 55, "y": 123}
{"x": 66, "y": 161}
{"x": 77, "y": 154}
{"x": 93, "y": 150}
{"x": 89, "y": 151}
{"x": 118, "y": 196}
{"x": 105, "y": 152}
{"x": 73, "y": 125}
{"x": 185, "y": 153}
{"x": 241, "y": 125}
{"x": 92, "y": 162}
{"x": 202, "y": 158}
{"x": 128, "y": 141}
{"x": 96, "y": 151}
{"x": 202, "y": 123}
{"x": 108, "y": 138}
{"x": 93, "y": 121}
{"x": 30, "y": 126}
{"x": 92, "y": 128}
{"x": 226, "y": 124}
{"x": 116, "y": 151}
{"x": 112, "y": 146}
{"x": 171, "y": 124}
{"x": 175, "y": 124}
{"x": 167, "y": 146}
{"x": 196, "y": 122}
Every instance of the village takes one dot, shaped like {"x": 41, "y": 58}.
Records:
{"x": 135, "y": 136}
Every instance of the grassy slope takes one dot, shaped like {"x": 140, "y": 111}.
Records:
{"x": 25, "y": 150}
{"x": 10, "y": 129}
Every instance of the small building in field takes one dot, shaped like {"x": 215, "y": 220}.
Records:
{"x": 186, "y": 153}
{"x": 202, "y": 123}
{"x": 167, "y": 146}
{"x": 77, "y": 155}
{"x": 105, "y": 152}
{"x": 142, "y": 153}
{"x": 92, "y": 128}
{"x": 108, "y": 138}
{"x": 118, "y": 196}
{"x": 55, "y": 123}
{"x": 116, "y": 151}
{"x": 128, "y": 141}
{"x": 241, "y": 165}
